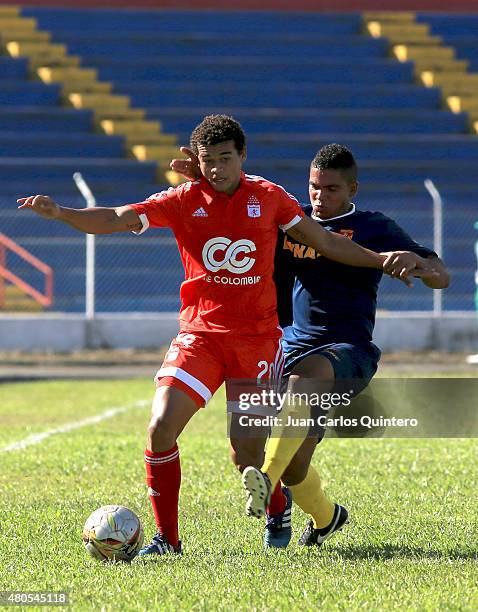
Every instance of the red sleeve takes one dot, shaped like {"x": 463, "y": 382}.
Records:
{"x": 289, "y": 212}
{"x": 159, "y": 210}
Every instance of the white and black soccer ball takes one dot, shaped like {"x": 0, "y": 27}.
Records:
{"x": 113, "y": 533}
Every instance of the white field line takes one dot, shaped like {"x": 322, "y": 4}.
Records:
{"x": 39, "y": 437}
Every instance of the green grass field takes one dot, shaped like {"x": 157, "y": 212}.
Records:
{"x": 411, "y": 545}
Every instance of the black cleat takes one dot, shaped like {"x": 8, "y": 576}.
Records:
{"x": 312, "y": 536}
{"x": 159, "y": 546}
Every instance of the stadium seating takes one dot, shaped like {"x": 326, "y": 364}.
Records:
{"x": 457, "y": 31}
{"x": 295, "y": 82}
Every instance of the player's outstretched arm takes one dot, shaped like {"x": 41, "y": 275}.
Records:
{"x": 98, "y": 220}
{"x": 334, "y": 246}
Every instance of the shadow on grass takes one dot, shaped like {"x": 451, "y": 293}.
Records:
{"x": 352, "y": 553}
{"x": 392, "y": 551}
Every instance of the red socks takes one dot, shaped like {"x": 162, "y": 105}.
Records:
{"x": 278, "y": 501}
{"x": 163, "y": 477}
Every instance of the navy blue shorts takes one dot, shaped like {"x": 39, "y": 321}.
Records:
{"x": 354, "y": 365}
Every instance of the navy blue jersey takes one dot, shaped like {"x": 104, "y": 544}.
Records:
{"x": 333, "y": 302}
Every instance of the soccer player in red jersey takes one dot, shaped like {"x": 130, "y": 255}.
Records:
{"x": 226, "y": 225}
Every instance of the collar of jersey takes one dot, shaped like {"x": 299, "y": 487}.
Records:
{"x": 351, "y": 212}
{"x": 217, "y": 194}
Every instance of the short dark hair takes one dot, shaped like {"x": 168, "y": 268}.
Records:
{"x": 214, "y": 129}
{"x": 336, "y": 157}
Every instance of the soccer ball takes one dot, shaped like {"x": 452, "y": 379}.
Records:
{"x": 113, "y": 532}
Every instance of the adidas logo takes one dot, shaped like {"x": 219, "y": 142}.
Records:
{"x": 200, "y": 212}
{"x": 152, "y": 492}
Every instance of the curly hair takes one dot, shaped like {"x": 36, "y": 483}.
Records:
{"x": 214, "y": 129}
{"x": 336, "y": 157}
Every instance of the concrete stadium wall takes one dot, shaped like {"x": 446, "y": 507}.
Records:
{"x": 66, "y": 333}
{"x": 298, "y": 5}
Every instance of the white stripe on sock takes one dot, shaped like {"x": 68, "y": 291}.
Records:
{"x": 158, "y": 460}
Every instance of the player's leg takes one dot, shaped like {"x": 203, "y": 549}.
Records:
{"x": 247, "y": 449}
{"x": 289, "y": 454}
{"x": 172, "y": 410}
{"x": 305, "y": 485}
{"x": 355, "y": 365}
{"x": 302, "y": 479}
{"x": 184, "y": 385}
{"x": 255, "y": 365}
{"x": 313, "y": 375}
{"x": 247, "y": 444}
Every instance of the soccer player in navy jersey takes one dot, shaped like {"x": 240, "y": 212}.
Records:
{"x": 328, "y": 334}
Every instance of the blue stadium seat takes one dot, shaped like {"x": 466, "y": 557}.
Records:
{"x": 344, "y": 121}
{"x": 63, "y": 168}
{"x": 13, "y": 68}
{"x": 41, "y": 118}
{"x": 54, "y": 144}
{"x": 217, "y": 22}
{"x": 345, "y": 71}
{"x": 21, "y": 93}
{"x": 291, "y": 95}
{"x": 141, "y": 46}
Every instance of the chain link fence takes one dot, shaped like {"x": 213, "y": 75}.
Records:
{"x": 144, "y": 273}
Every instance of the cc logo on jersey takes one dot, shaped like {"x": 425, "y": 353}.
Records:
{"x": 221, "y": 254}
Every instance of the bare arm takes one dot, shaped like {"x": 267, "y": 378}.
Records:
{"x": 88, "y": 220}
{"x": 334, "y": 246}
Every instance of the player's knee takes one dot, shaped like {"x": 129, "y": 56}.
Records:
{"x": 162, "y": 433}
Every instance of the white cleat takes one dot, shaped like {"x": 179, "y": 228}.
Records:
{"x": 258, "y": 488}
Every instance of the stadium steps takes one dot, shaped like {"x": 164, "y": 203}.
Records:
{"x": 457, "y": 30}
{"x": 461, "y": 33}
{"x": 436, "y": 64}
{"x": 80, "y": 88}
{"x": 16, "y": 301}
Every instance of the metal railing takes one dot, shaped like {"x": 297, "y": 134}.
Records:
{"x": 44, "y": 299}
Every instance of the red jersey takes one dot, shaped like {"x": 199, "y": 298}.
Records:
{"x": 227, "y": 246}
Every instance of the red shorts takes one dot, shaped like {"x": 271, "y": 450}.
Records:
{"x": 199, "y": 363}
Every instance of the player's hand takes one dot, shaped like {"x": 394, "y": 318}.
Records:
{"x": 42, "y": 205}
{"x": 403, "y": 264}
{"x": 187, "y": 167}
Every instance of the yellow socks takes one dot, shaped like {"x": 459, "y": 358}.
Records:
{"x": 309, "y": 496}
{"x": 285, "y": 440}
